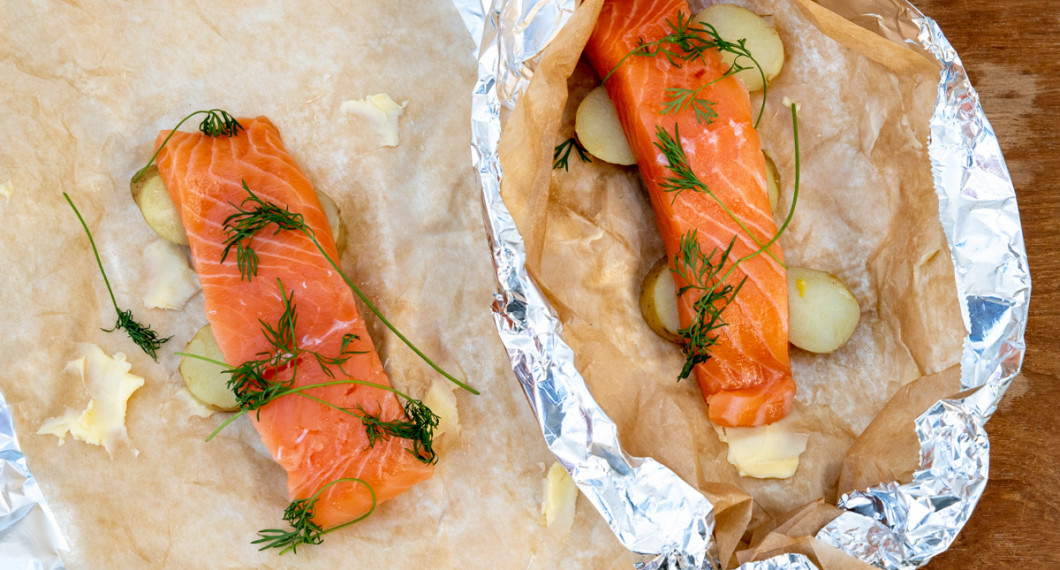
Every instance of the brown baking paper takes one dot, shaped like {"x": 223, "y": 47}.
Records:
{"x": 867, "y": 212}
{"x": 87, "y": 86}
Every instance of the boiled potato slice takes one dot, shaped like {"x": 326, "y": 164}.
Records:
{"x": 734, "y": 23}
{"x": 772, "y": 182}
{"x": 658, "y": 302}
{"x": 151, "y": 195}
{"x": 822, "y": 312}
{"x": 338, "y": 229}
{"x": 599, "y": 130}
{"x": 206, "y": 380}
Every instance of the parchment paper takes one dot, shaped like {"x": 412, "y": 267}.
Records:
{"x": 867, "y": 212}
{"x": 87, "y": 86}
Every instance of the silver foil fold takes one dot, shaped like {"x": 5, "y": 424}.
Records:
{"x": 29, "y": 536}
{"x": 662, "y": 520}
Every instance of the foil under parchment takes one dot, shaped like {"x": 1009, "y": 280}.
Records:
{"x": 891, "y": 525}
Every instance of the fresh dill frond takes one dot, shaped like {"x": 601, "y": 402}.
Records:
{"x": 144, "y": 337}
{"x": 701, "y": 273}
{"x": 561, "y": 154}
{"x": 682, "y": 178}
{"x": 241, "y": 227}
{"x": 681, "y": 99}
{"x": 418, "y": 428}
{"x": 216, "y": 123}
{"x": 299, "y": 514}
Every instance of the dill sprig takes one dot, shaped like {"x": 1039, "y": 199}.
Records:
{"x": 418, "y": 428}
{"x": 144, "y": 337}
{"x": 216, "y": 123}
{"x": 682, "y": 176}
{"x": 246, "y": 223}
{"x": 241, "y": 227}
{"x": 689, "y": 41}
{"x": 702, "y": 272}
{"x": 299, "y": 514}
{"x": 561, "y": 154}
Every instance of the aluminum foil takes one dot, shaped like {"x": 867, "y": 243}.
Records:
{"x": 658, "y": 517}
{"x": 29, "y": 535}
{"x": 904, "y": 526}
{"x": 662, "y": 520}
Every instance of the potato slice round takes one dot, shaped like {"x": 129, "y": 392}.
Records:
{"x": 734, "y": 23}
{"x": 599, "y": 130}
{"x": 822, "y": 312}
{"x": 658, "y": 302}
{"x": 152, "y": 197}
{"x": 338, "y": 228}
{"x": 206, "y": 380}
{"x": 772, "y": 183}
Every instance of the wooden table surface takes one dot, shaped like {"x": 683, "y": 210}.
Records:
{"x": 1012, "y": 53}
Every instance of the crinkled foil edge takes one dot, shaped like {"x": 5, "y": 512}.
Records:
{"x": 898, "y": 526}
{"x": 663, "y": 521}
{"x": 891, "y": 525}
{"x": 29, "y": 535}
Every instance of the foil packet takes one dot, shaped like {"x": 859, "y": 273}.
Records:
{"x": 889, "y": 526}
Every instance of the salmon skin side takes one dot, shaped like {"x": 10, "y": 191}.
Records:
{"x": 747, "y": 381}
{"x": 314, "y": 443}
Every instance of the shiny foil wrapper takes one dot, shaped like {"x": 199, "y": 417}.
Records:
{"x": 663, "y": 521}
{"x": 29, "y": 536}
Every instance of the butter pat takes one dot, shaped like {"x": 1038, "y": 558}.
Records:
{"x": 7, "y": 189}
{"x": 764, "y": 452}
{"x": 109, "y": 385}
{"x": 442, "y": 401}
{"x": 381, "y": 113}
{"x": 170, "y": 282}
{"x": 561, "y": 496}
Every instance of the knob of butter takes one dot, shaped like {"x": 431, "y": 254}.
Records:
{"x": 764, "y": 452}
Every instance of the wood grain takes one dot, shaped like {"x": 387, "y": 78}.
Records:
{"x": 1012, "y": 53}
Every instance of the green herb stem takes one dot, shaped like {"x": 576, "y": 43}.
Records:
{"x": 144, "y": 337}
{"x": 303, "y": 530}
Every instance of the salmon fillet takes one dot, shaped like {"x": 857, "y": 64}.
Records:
{"x": 314, "y": 443}
{"x": 748, "y": 379}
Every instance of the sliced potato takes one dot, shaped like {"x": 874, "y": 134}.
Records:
{"x": 772, "y": 182}
{"x": 734, "y": 23}
{"x": 823, "y": 313}
{"x": 151, "y": 195}
{"x": 658, "y": 302}
{"x": 206, "y": 380}
{"x": 331, "y": 210}
{"x": 599, "y": 130}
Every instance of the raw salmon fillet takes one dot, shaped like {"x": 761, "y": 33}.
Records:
{"x": 314, "y": 443}
{"x": 748, "y": 379}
